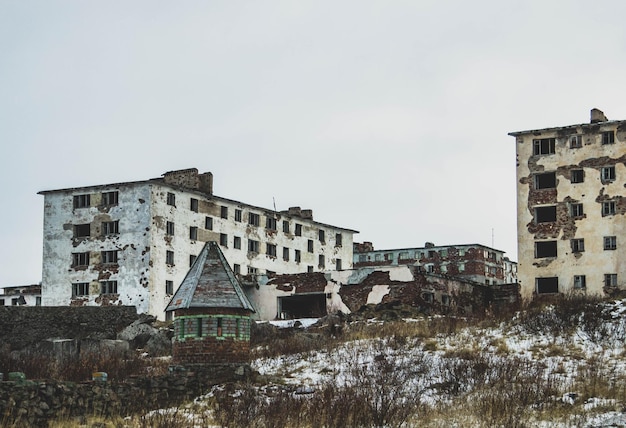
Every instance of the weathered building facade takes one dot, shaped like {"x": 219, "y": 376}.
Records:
{"x": 133, "y": 243}
{"x": 571, "y": 206}
{"x": 473, "y": 262}
{"x": 21, "y": 295}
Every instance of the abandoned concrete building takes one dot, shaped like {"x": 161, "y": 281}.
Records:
{"x": 571, "y": 187}
{"x": 21, "y": 295}
{"x": 473, "y": 262}
{"x": 133, "y": 243}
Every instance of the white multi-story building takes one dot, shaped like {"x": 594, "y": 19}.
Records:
{"x": 133, "y": 243}
{"x": 571, "y": 187}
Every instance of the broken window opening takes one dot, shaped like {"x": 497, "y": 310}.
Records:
{"x": 110, "y": 198}
{"x": 310, "y": 246}
{"x": 610, "y": 242}
{"x": 82, "y": 230}
{"x": 169, "y": 228}
{"x": 286, "y": 254}
{"x": 544, "y": 146}
{"x": 321, "y": 262}
{"x": 302, "y": 306}
{"x": 108, "y": 287}
{"x": 194, "y": 205}
{"x": 338, "y": 264}
{"x": 82, "y": 201}
{"x": 545, "y": 214}
{"x": 608, "y": 137}
{"x": 580, "y": 282}
{"x": 545, "y": 181}
{"x": 111, "y": 227}
{"x": 607, "y": 174}
{"x": 576, "y": 210}
{"x": 576, "y": 141}
{"x": 192, "y": 259}
{"x": 193, "y": 233}
{"x": 253, "y": 219}
{"x": 237, "y": 242}
{"x": 171, "y": 199}
{"x": 297, "y": 256}
{"x": 253, "y": 246}
{"x": 208, "y": 223}
{"x": 322, "y": 236}
{"x": 610, "y": 280}
{"x": 608, "y": 208}
{"x": 109, "y": 257}
{"x": 169, "y": 287}
{"x": 237, "y": 215}
{"x": 223, "y": 212}
{"x": 223, "y": 240}
{"x": 270, "y": 223}
{"x": 298, "y": 229}
{"x": 169, "y": 258}
{"x": 547, "y": 285}
{"x": 285, "y": 226}
{"x": 80, "y": 289}
{"x": 578, "y": 245}
{"x": 270, "y": 250}
{"x": 577, "y": 176}
{"x": 80, "y": 259}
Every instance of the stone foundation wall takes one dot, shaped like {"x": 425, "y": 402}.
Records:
{"x": 209, "y": 350}
{"x": 34, "y": 403}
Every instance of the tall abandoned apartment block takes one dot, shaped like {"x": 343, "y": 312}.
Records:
{"x": 133, "y": 243}
{"x": 571, "y": 187}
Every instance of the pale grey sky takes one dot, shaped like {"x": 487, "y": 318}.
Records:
{"x": 389, "y": 117}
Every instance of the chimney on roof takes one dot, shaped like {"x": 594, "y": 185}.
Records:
{"x": 597, "y": 116}
{"x": 429, "y": 245}
{"x": 190, "y": 179}
{"x": 307, "y": 214}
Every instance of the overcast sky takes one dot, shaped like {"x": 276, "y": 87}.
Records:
{"x": 388, "y": 117}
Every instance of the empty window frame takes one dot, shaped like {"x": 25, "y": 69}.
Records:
{"x": 111, "y": 227}
{"x": 297, "y": 256}
{"x": 169, "y": 228}
{"x": 322, "y": 236}
{"x": 403, "y": 255}
{"x": 575, "y": 141}
{"x": 321, "y": 261}
{"x": 545, "y": 214}
{"x": 577, "y": 176}
{"x": 82, "y": 201}
{"x": 236, "y": 269}
{"x": 109, "y": 257}
{"x": 545, "y": 249}
{"x": 338, "y": 240}
{"x": 169, "y": 258}
{"x": 237, "y": 215}
{"x": 252, "y": 270}
{"x": 309, "y": 269}
{"x": 576, "y": 210}
{"x": 608, "y": 208}
{"x": 547, "y": 285}
{"x": 108, "y": 287}
{"x": 82, "y": 230}
{"x": 270, "y": 223}
{"x": 171, "y": 199}
{"x": 223, "y": 240}
{"x": 298, "y": 229}
{"x": 193, "y": 233}
{"x": 224, "y": 212}
{"x": 377, "y": 257}
{"x": 169, "y": 287}
{"x": 607, "y": 174}
{"x": 286, "y": 254}
{"x": 578, "y": 245}
{"x": 270, "y": 250}
{"x": 309, "y": 246}
{"x": 253, "y": 219}
{"x": 110, "y": 198}
{"x": 580, "y": 282}
{"x": 194, "y": 205}
{"x": 610, "y": 242}
{"x": 544, "y": 146}
{"x": 80, "y": 259}
{"x": 608, "y": 137}
{"x": 545, "y": 181}
{"x": 192, "y": 259}
{"x": 610, "y": 280}
{"x": 237, "y": 242}
{"x": 338, "y": 264}
{"x": 285, "y": 226}
{"x": 208, "y": 223}
{"x": 253, "y": 246}
{"x": 80, "y": 289}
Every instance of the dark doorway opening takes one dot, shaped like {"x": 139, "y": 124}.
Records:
{"x": 302, "y": 306}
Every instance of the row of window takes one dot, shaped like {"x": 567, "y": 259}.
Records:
{"x": 108, "y": 228}
{"x": 82, "y": 259}
{"x": 418, "y": 255}
{"x": 547, "y": 146}
{"x": 547, "y": 180}
{"x": 547, "y": 214}
{"x": 81, "y": 289}
{"x": 106, "y": 199}
{"x": 549, "y": 248}
{"x": 254, "y": 219}
{"x": 551, "y": 284}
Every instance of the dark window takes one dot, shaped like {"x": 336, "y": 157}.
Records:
{"x": 322, "y": 236}
{"x": 580, "y": 282}
{"x": 169, "y": 228}
{"x": 237, "y": 242}
{"x": 578, "y": 176}
{"x": 310, "y": 246}
{"x": 194, "y": 205}
{"x": 108, "y": 287}
{"x": 169, "y": 258}
{"x": 253, "y": 246}
{"x": 169, "y": 287}
{"x": 545, "y": 249}
{"x": 576, "y": 141}
{"x": 111, "y": 227}
{"x": 270, "y": 250}
{"x": 607, "y": 174}
{"x": 270, "y": 223}
{"x": 109, "y": 257}
{"x": 545, "y": 181}
{"x": 224, "y": 212}
{"x": 610, "y": 242}
{"x": 610, "y": 280}
{"x": 237, "y": 215}
{"x": 109, "y": 198}
{"x": 285, "y": 226}
{"x": 208, "y": 223}
{"x": 338, "y": 264}
{"x": 309, "y": 269}
{"x": 321, "y": 261}
{"x": 544, "y": 146}
{"x": 252, "y": 270}
{"x": 253, "y": 219}
{"x": 608, "y": 137}
{"x": 223, "y": 240}
{"x": 81, "y": 230}
{"x": 193, "y": 233}
{"x": 82, "y": 201}
{"x": 192, "y": 259}
{"x": 80, "y": 259}
{"x": 608, "y": 208}
{"x": 576, "y": 210}
{"x": 80, "y": 289}
{"x": 297, "y": 256}
{"x": 545, "y": 214}
{"x": 547, "y": 285}
{"x": 338, "y": 240}
{"x": 298, "y": 229}
{"x": 578, "y": 245}
{"x": 286, "y": 254}
{"x": 236, "y": 269}
{"x": 171, "y": 199}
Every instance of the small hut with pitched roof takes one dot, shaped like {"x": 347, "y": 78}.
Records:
{"x": 211, "y": 313}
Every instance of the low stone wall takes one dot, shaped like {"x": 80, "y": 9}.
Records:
{"x": 36, "y": 402}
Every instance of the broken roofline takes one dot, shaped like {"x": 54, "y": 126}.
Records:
{"x": 430, "y": 248}
{"x": 160, "y": 181}
{"x": 565, "y": 128}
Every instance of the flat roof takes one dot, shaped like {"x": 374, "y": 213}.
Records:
{"x": 567, "y": 127}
